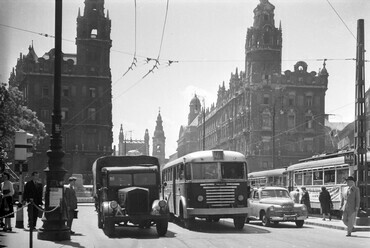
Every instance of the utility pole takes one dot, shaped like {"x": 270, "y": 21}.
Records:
{"x": 204, "y": 124}
{"x": 360, "y": 169}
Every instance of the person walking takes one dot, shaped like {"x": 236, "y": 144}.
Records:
{"x": 325, "y": 202}
{"x": 7, "y": 209}
{"x": 350, "y": 204}
{"x": 295, "y": 195}
{"x": 33, "y": 192}
{"x": 71, "y": 201}
{"x": 306, "y": 199}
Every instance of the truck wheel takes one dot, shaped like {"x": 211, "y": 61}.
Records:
{"x": 299, "y": 223}
{"x": 109, "y": 228}
{"x": 239, "y": 223}
{"x": 162, "y": 226}
{"x": 265, "y": 220}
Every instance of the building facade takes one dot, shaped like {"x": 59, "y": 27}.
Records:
{"x": 273, "y": 118}
{"x": 129, "y": 146}
{"x": 86, "y": 97}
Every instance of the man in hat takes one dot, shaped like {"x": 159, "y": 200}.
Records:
{"x": 71, "y": 201}
{"x": 350, "y": 204}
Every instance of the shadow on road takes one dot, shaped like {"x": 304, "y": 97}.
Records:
{"x": 223, "y": 226}
{"x": 135, "y": 232}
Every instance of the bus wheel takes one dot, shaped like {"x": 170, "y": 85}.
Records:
{"x": 189, "y": 223}
{"x": 299, "y": 223}
{"x": 215, "y": 219}
{"x": 162, "y": 226}
{"x": 265, "y": 220}
{"x": 239, "y": 222}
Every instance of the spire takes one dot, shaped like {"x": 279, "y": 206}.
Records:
{"x": 121, "y": 137}
{"x": 280, "y": 26}
{"x": 79, "y": 12}
{"x": 108, "y": 14}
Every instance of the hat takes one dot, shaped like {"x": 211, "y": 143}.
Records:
{"x": 350, "y": 178}
{"x": 72, "y": 179}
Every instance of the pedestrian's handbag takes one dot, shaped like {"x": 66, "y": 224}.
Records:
{"x": 75, "y": 212}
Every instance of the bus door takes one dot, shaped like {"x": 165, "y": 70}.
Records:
{"x": 174, "y": 192}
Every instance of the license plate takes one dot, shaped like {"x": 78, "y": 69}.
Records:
{"x": 290, "y": 217}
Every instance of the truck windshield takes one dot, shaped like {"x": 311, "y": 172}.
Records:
{"x": 232, "y": 170}
{"x": 139, "y": 179}
{"x": 143, "y": 179}
{"x": 120, "y": 180}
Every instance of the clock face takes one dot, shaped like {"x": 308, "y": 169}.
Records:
{"x": 158, "y": 147}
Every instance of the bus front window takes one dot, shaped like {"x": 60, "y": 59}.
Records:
{"x": 205, "y": 171}
{"x": 232, "y": 170}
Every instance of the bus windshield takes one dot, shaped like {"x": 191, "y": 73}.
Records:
{"x": 205, "y": 170}
{"x": 232, "y": 170}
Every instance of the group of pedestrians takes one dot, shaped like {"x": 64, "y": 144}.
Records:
{"x": 33, "y": 195}
{"x": 304, "y": 199}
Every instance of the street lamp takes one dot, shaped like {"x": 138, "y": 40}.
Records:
{"x": 54, "y": 227}
{"x": 274, "y": 130}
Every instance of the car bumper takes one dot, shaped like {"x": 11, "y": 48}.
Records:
{"x": 287, "y": 218}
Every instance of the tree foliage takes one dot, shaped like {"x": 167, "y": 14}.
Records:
{"x": 15, "y": 115}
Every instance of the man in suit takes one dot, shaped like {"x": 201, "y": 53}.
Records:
{"x": 350, "y": 204}
{"x": 71, "y": 201}
{"x": 33, "y": 191}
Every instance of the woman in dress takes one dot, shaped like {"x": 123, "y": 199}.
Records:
{"x": 7, "y": 201}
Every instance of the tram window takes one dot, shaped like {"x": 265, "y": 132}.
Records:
{"x": 317, "y": 177}
{"x": 341, "y": 175}
{"x": 329, "y": 176}
{"x": 205, "y": 171}
{"x": 180, "y": 171}
{"x": 307, "y": 178}
{"x": 187, "y": 171}
{"x": 298, "y": 178}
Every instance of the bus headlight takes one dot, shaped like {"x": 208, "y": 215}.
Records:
{"x": 200, "y": 198}
{"x": 113, "y": 204}
{"x": 240, "y": 197}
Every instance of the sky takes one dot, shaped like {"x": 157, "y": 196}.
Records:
{"x": 205, "y": 38}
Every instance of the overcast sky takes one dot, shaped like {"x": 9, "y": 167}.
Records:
{"x": 206, "y": 37}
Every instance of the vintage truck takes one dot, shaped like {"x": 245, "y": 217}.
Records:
{"x": 126, "y": 190}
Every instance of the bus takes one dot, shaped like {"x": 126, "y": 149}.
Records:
{"x": 208, "y": 184}
{"x": 275, "y": 177}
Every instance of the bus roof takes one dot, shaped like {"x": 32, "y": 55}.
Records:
{"x": 266, "y": 173}
{"x": 208, "y": 156}
{"x": 131, "y": 169}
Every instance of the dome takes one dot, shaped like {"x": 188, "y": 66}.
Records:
{"x": 195, "y": 101}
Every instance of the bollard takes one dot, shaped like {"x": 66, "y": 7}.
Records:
{"x": 19, "y": 216}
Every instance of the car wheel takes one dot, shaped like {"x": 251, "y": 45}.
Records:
{"x": 109, "y": 228}
{"x": 265, "y": 220}
{"x": 299, "y": 223}
{"x": 100, "y": 220}
{"x": 162, "y": 226}
{"x": 276, "y": 223}
{"x": 239, "y": 222}
{"x": 247, "y": 220}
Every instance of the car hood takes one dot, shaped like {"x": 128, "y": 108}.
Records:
{"x": 277, "y": 201}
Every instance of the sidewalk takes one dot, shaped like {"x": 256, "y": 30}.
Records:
{"x": 334, "y": 223}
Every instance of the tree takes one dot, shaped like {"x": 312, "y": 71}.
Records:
{"x": 15, "y": 115}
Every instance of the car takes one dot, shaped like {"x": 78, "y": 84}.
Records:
{"x": 272, "y": 205}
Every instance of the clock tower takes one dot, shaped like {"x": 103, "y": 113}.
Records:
{"x": 159, "y": 141}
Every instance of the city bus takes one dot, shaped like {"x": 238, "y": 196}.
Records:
{"x": 275, "y": 177}
{"x": 325, "y": 170}
{"x": 207, "y": 184}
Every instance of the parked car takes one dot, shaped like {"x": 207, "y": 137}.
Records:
{"x": 272, "y": 205}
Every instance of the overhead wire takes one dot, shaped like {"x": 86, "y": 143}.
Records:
{"x": 336, "y": 12}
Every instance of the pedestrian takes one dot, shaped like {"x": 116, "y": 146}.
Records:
{"x": 33, "y": 192}
{"x": 350, "y": 204}
{"x": 306, "y": 199}
{"x": 6, "y": 209}
{"x": 295, "y": 195}
{"x": 325, "y": 202}
{"x": 71, "y": 201}
{"x": 1, "y": 219}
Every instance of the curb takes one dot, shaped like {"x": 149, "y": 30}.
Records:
{"x": 357, "y": 228}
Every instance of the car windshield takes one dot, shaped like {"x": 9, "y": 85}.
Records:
{"x": 274, "y": 193}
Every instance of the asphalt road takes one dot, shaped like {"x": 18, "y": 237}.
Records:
{"x": 205, "y": 234}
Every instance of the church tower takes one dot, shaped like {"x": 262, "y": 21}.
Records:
{"x": 194, "y": 109}
{"x": 93, "y": 39}
{"x": 120, "y": 140}
{"x": 159, "y": 141}
{"x": 263, "y": 45}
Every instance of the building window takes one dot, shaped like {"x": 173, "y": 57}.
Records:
{"x": 45, "y": 91}
{"x": 64, "y": 113}
{"x": 45, "y": 114}
{"x": 291, "y": 120}
{"x": 309, "y": 100}
{"x": 266, "y": 120}
{"x": 266, "y": 99}
{"x": 65, "y": 91}
{"x": 92, "y": 92}
{"x": 291, "y": 100}
{"x": 91, "y": 114}
{"x": 94, "y": 33}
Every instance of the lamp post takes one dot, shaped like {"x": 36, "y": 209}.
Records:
{"x": 274, "y": 131}
{"x": 54, "y": 227}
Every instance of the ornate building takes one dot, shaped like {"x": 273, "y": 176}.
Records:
{"x": 86, "y": 101}
{"x": 128, "y": 145}
{"x": 159, "y": 141}
{"x": 273, "y": 118}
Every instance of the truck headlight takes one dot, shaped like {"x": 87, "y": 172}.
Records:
{"x": 113, "y": 204}
{"x": 162, "y": 204}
